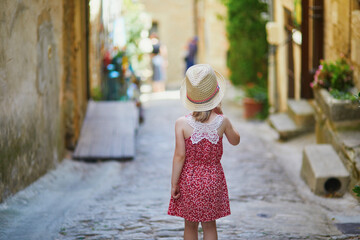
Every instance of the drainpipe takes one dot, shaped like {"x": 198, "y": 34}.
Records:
{"x": 273, "y": 96}
{"x": 196, "y": 17}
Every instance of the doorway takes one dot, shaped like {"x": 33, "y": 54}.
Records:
{"x": 312, "y": 49}
{"x": 289, "y": 26}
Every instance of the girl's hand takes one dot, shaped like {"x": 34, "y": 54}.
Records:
{"x": 175, "y": 192}
{"x": 231, "y": 133}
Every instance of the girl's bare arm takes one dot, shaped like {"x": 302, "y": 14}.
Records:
{"x": 179, "y": 158}
{"x": 231, "y": 133}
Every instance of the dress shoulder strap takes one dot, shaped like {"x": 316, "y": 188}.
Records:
{"x": 216, "y": 123}
{"x": 205, "y": 130}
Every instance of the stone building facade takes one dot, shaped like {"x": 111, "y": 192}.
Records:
{"x": 178, "y": 22}
{"x": 342, "y": 33}
{"x": 211, "y": 29}
{"x": 329, "y": 30}
{"x": 338, "y": 122}
{"x": 284, "y": 66}
{"x": 43, "y": 86}
{"x": 332, "y": 33}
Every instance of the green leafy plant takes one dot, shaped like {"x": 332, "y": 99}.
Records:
{"x": 259, "y": 94}
{"x": 96, "y": 94}
{"x": 256, "y": 92}
{"x": 247, "y": 54}
{"x": 343, "y": 95}
{"x": 336, "y": 77}
{"x": 356, "y": 190}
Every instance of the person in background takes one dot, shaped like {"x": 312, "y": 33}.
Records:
{"x": 190, "y": 57}
{"x": 158, "y": 63}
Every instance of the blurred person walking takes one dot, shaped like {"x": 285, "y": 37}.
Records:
{"x": 158, "y": 78}
{"x": 191, "y": 53}
{"x": 158, "y": 63}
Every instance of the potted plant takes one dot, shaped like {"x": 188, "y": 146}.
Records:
{"x": 336, "y": 77}
{"x": 334, "y": 90}
{"x": 255, "y": 102}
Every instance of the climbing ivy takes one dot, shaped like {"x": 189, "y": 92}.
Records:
{"x": 356, "y": 189}
{"x": 248, "y": 49}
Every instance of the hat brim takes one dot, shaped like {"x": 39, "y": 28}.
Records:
{"x": 213, "y": 103}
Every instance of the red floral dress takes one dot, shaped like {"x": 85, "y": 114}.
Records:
{"x": 203, "y": 190}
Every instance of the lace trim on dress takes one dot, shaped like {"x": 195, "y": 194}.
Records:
{"x": 205, "y": 130}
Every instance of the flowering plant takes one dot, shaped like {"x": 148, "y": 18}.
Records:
{"x": 336, "y": 77}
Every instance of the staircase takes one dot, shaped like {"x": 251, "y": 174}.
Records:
{"x": 297, "y": 120}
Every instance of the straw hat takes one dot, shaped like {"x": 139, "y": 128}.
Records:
{"x": 202, "y": 89}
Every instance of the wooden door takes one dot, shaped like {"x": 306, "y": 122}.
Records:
{"x": 289, "y": 26}
{"x": 312, "y": 48}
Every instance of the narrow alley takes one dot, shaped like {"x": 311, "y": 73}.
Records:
{"x": 89, "y": 96}
{"x": 129, "y": 200}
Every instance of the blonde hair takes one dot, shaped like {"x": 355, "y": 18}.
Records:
{"x": 205, "y": 115}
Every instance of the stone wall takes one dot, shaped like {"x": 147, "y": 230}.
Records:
{"x": 96, "y": 42}
{"x": 342, "y": 34}
{"x": 338, "y": 124}
{"x": 42, "y": 86}
{"x": 355, "y": 45}
{"x": 75, "y": 73}
{"x": 336, "y": 29}
{"x": 212, "y": 25}
{"x": 338, "y": 121}
{"x": 31, "y": 136}
{"x": 176, "y": 26}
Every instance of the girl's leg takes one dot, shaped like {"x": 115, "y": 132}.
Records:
{"x": 210, "y": 232}
{"x": 191, "y": 230}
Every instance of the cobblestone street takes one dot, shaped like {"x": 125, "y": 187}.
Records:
{"x": 129, "y": 200}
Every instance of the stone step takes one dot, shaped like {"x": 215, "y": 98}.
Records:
{"x": 349, "y": 142}
{"x": 346, "y": 143}
{"x": 302, "y": 112}
{"x": 323, "y": 170}
{"x": 284, "y": 125}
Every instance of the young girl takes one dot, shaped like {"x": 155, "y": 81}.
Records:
{"x": 198, "y": 186}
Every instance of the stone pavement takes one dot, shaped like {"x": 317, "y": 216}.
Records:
{"x": 129, "y": 200}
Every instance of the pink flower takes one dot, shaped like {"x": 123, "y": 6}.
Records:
{"x": 316, "y": 78}
{"x": 312, "y": 85}
{"x": 320, "y": 67}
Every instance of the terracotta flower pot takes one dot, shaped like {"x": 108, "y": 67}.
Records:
{"x": 251, "y": 107}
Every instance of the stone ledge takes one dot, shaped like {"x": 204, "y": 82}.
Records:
{"x": 335, "y": 109}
